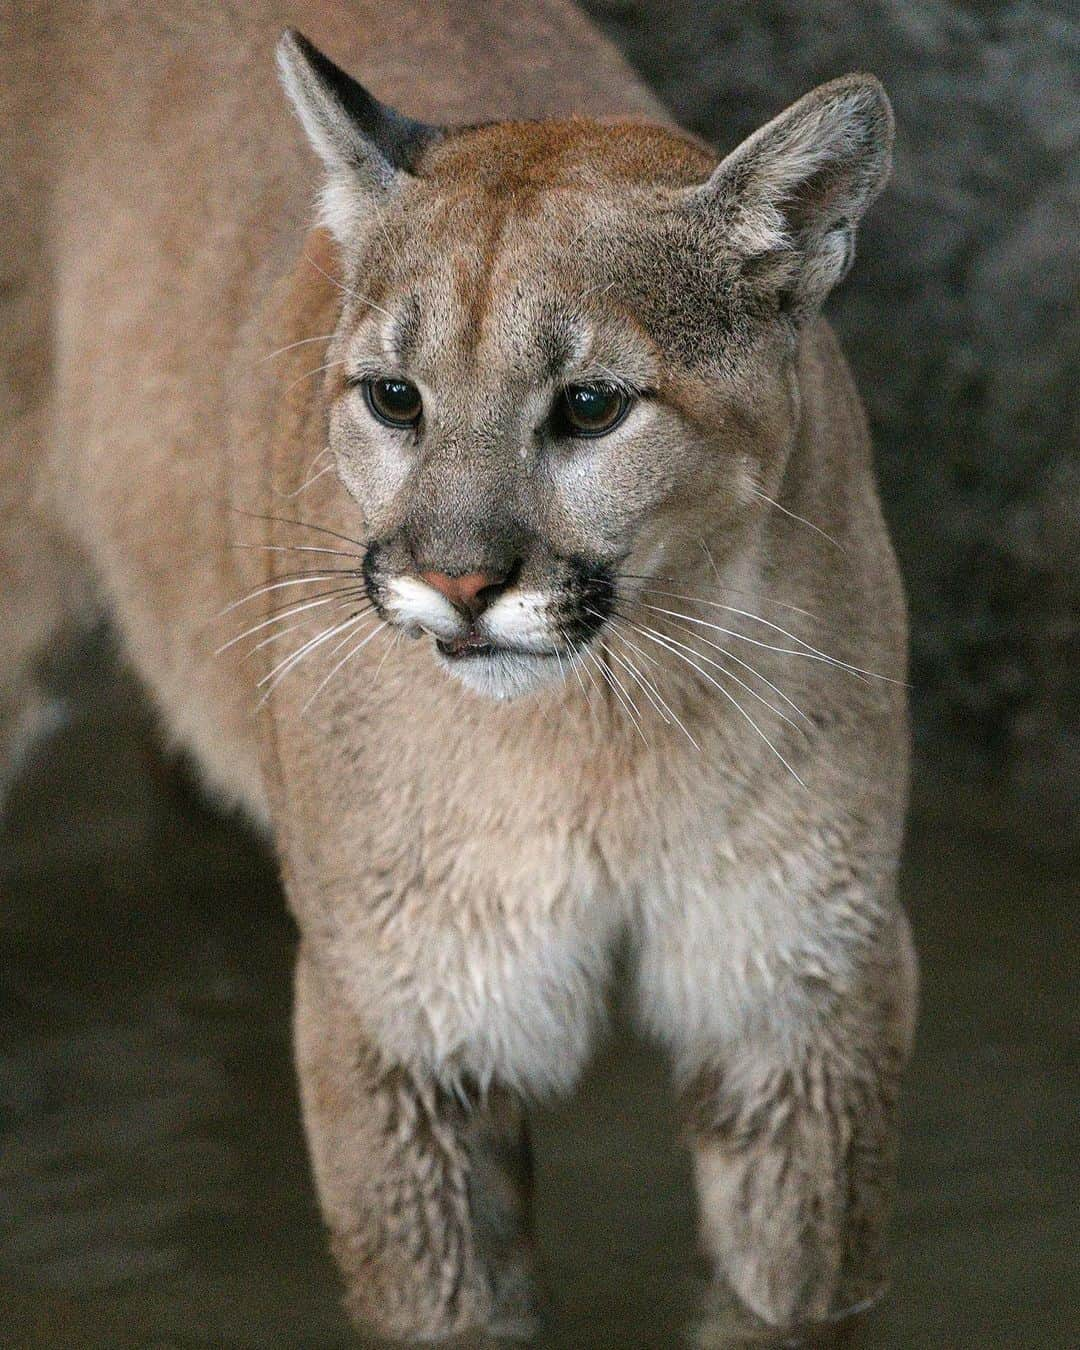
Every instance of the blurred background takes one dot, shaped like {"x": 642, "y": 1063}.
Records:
{"x": 153, "y": 1183}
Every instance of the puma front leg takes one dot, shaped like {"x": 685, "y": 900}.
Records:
{"x": 794, "y": 1158}
{"x": 424, "y": 1192}
{"x": 789, "y": 1080}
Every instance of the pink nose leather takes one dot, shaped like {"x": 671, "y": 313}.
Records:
{"x": 464, "y": 590}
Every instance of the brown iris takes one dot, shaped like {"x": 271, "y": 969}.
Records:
{"x": 590, "y": 409}
{"x": 395, "y": 402}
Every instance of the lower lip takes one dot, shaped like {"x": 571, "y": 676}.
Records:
{"x": 472, "y": 650}
{"x": 458, "y": 652}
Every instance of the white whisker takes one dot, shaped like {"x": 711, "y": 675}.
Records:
{"x": 665, "y": 642}
{"x": 753, "y": 670}
{"x": 307, "y": 580}
{"x": 578, "y": 659}
{"x": 328, "y": 365}
{"x": 278, "y": 618}
{"x": 615, "y": 685}
{"x": 292, "y": 628}
{"x": 638, "y": 679}
{"x": 389, "y": 648}
{"x": 347, "y": 291}
{"x": 288, "y": 496}
{"x": 801, "y": 519}
{"x": 804, "y": 649}
{"x": 276, "y": 637}
{"x": 322, "y": 337}
{"x": 274, "y": 677}
{"x": 299, "y": 548}
{"x": 344, "y": 661}
{"x": 703, "y": 600}
{"x": 731, "y": 676}
{"x": 674, "y": 715}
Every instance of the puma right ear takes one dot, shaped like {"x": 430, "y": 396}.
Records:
{"x": 363, "y": 144}
{"x": 792, "y": 194}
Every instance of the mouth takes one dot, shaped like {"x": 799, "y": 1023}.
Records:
{"x": 498, "y": 670}
{"x": 471, "y": 645}
{"x": 465, "y": 648}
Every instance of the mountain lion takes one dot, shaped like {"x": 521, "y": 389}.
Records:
{"x": 501, "y": 532}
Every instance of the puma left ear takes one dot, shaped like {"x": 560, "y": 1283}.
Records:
{"x": 793, "y": 192}
{"x": 364, "y": 145}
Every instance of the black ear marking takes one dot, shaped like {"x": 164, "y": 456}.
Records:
{"x": 397, "y": 139}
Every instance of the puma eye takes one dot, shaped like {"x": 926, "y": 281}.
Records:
{"x": 590, "y": 409}
{"x": 395, "y": 403}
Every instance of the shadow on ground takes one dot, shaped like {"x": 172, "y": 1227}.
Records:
{"x": 153, "y": 1183}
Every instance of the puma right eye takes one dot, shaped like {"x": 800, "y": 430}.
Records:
{"x": 587, "y": 410}
{"x": 393, "y": 402}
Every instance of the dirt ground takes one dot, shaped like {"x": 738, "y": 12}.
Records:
{"x": 153, "y": 1183}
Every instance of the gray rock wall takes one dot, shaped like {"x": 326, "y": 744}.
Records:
{"x": 960, "y": 319}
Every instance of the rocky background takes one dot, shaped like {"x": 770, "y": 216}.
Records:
{"x": 960, "y": 318}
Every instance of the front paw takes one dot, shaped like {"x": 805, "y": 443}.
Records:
{"x": 725, "y": 1324}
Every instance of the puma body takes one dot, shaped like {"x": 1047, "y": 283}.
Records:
{"x": 466, "y": 839}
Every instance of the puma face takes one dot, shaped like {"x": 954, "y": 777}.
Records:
{"x": 564, "y": 353}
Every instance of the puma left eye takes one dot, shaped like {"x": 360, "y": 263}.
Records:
{"x": 589, "y": 409}
{"x": 395, "y": 403}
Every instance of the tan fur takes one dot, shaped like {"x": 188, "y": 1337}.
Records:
{"x": 461, "y": 869}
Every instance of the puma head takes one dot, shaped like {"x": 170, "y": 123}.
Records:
{"x": 567, "y": 349}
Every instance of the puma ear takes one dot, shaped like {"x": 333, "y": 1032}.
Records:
{"x": 363, "y": 144}
{"x": 793, "y": 192}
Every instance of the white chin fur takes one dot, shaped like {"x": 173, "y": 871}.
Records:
{"x": 504, "y": 675}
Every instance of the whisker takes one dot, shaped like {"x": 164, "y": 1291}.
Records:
{"x": 328, "y": 365}
{"x": 604, "y": 618}
{"x": 304, "y": 524}
{"x": 801, "y": 519}
{"x": 339, "y": 589}
{"x": 804, "y": 649}
{"x": 324, "y": 570}
{"x": 341, "y": 287}
{"x": 753, "y": 670}
{"x": 307, "y": 579}
{"x": 732, "y": 676}
{"x": 702, "y": 600}
{"x": 274, "y": 677}
{"x": 281, "y": 492}
{"x": 385, "y": 234}
{"x": 595, "y": 290}
{"x": 638, "y": 679}
{"x": 635, "y": 674}
{"x": 389, "y": 648}
{"x": 288, "y": 496}
{"x": 577, "y": 659}
{"x": 615, "y": 686}
{"x": 284, "y": 632}
{"x": 322, "y": 337}
{"x": 344, "y": 661}
{"x": 665, "y": 642}
{"x": 674, "y": 715}
{"x": 298, "y": 548}
{"x": 278, "y": 618}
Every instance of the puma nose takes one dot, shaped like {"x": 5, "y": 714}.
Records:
{"x": 472, "y": 592}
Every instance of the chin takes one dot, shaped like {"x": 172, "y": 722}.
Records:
{"x": 504, "y": 675}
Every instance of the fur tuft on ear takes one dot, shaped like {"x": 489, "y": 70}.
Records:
{"x": 792, "y": 194}
{"x": 363, "y": 144}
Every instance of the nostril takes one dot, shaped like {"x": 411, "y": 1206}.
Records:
{"x": 472, "y": 591}
{"x": 487, "y": 595}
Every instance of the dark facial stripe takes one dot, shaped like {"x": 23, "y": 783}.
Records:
{"x": 590, "y": 599}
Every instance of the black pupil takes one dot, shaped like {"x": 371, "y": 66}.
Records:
{"x": 591, "y": 407}
{"x": 397, "y": 399}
